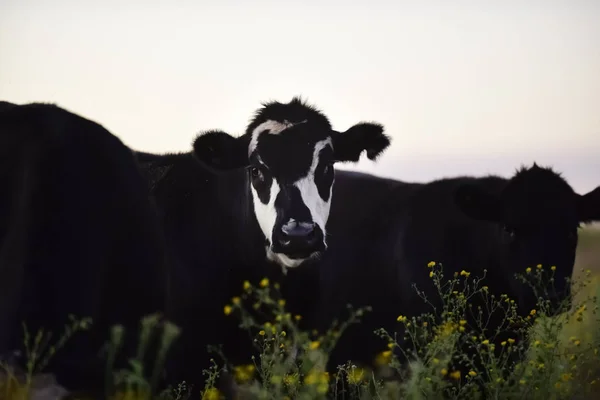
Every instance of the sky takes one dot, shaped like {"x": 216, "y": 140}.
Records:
{"x": 462, "y": 87}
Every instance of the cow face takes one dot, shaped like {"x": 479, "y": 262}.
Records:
{"x": 289, "y": 151}
{"x": 540, "y": 214}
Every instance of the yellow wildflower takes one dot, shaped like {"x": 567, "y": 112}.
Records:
{"x": 465, "y": 273}
{"x": 243, "y": 373}
{"x": 472, "y": 373}
{"x": 314, "y": 345}
{"x": 227, "y": 309}
{"x": 511, "y": 341}
{"x": 264, "y": 282}
{"x": 212, "y": 394}
{"x": 261, "y": 333}
{"x": 539, "y": 266}
{"x": 431, "y": 274}
{"x": 553, "y": 268}
{"x": 528, "y": 270}
{"x": 485, "y": 342}
{"x": 401, "y": 318}
{"x": 503, "y": 343}
{"x": 247, "y": 285}
{"x": 532, "y": 312}
{"x": 444, "y": 371}
{"x": 290, "y": 379}
{"x": 455, "y": 375}
{"x": 281, "y": 302}
{"x": 383, "y": 358}
{"x": 431, "y": 264}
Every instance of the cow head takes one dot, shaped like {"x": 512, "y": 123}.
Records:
{"x": 289, "y": 151}
{"x": 540, "y": 214}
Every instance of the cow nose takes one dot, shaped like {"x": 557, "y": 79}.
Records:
{"x": 294, "y": 230}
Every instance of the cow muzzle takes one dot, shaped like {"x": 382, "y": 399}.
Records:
{"x": 298, "y": 239}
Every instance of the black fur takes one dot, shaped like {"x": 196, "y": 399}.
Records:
{"x": 213, "y": 237}
{"x": 78, "y": 236}
{"x": 381, "y": 243}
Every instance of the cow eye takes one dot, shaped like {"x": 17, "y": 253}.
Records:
{"x": 256, "y": 173}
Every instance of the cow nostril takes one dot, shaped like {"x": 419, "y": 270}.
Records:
{"x": 298, "y": 230}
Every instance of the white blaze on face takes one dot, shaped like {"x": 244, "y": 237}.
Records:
{"x": 319, "y": 208}
{"x": 270, "y": 126}
{"x": 266, "y": 213}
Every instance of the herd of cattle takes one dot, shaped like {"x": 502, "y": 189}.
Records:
{"x": 91, "y": 228}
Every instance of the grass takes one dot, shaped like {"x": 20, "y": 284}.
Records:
{"x": 450, "y": 354}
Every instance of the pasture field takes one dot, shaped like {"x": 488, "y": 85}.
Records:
{"x": 562, "y": 360}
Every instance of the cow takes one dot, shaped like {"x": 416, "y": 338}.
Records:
{"x": 244, "y": 208}
{"x": 79, "y": 235}
{"x": 385, "y": 232}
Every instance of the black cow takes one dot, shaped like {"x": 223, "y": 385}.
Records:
{"x": 78, "y": 235}
{"x": 502, "y": 225}
{"x": 241, "y": 208}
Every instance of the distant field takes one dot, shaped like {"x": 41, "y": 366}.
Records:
{"x": 588, "y": 250}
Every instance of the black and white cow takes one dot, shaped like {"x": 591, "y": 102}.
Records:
{"x": 503, "y": 225}
{"x": 242, "y": 208}
{"x": 78, "y": 235}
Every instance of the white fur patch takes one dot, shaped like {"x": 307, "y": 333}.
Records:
{"x": 319, "y": 208}
{"x": 273, "y": 127}
{"x": 266, "y": 213}
{"x": 283, "y": 260}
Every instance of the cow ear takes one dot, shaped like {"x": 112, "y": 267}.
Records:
{"x": 477, "y": 203}
{"x": 588, "y": 206}
{"x": 348, "y": 146}
{"x": 220, "y": 151}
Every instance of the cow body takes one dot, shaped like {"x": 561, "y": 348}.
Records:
{"x": 78, "y": 234}
{"x": 243, "y": 208}
{"x": 501, "y": 225}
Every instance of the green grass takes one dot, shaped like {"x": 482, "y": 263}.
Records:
{"x": 561, "y": 362}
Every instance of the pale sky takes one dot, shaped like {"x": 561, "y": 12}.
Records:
{"x": 463, "y": 87}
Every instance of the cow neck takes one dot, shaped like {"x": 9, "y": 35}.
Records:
{"x": 248, "y": 237}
